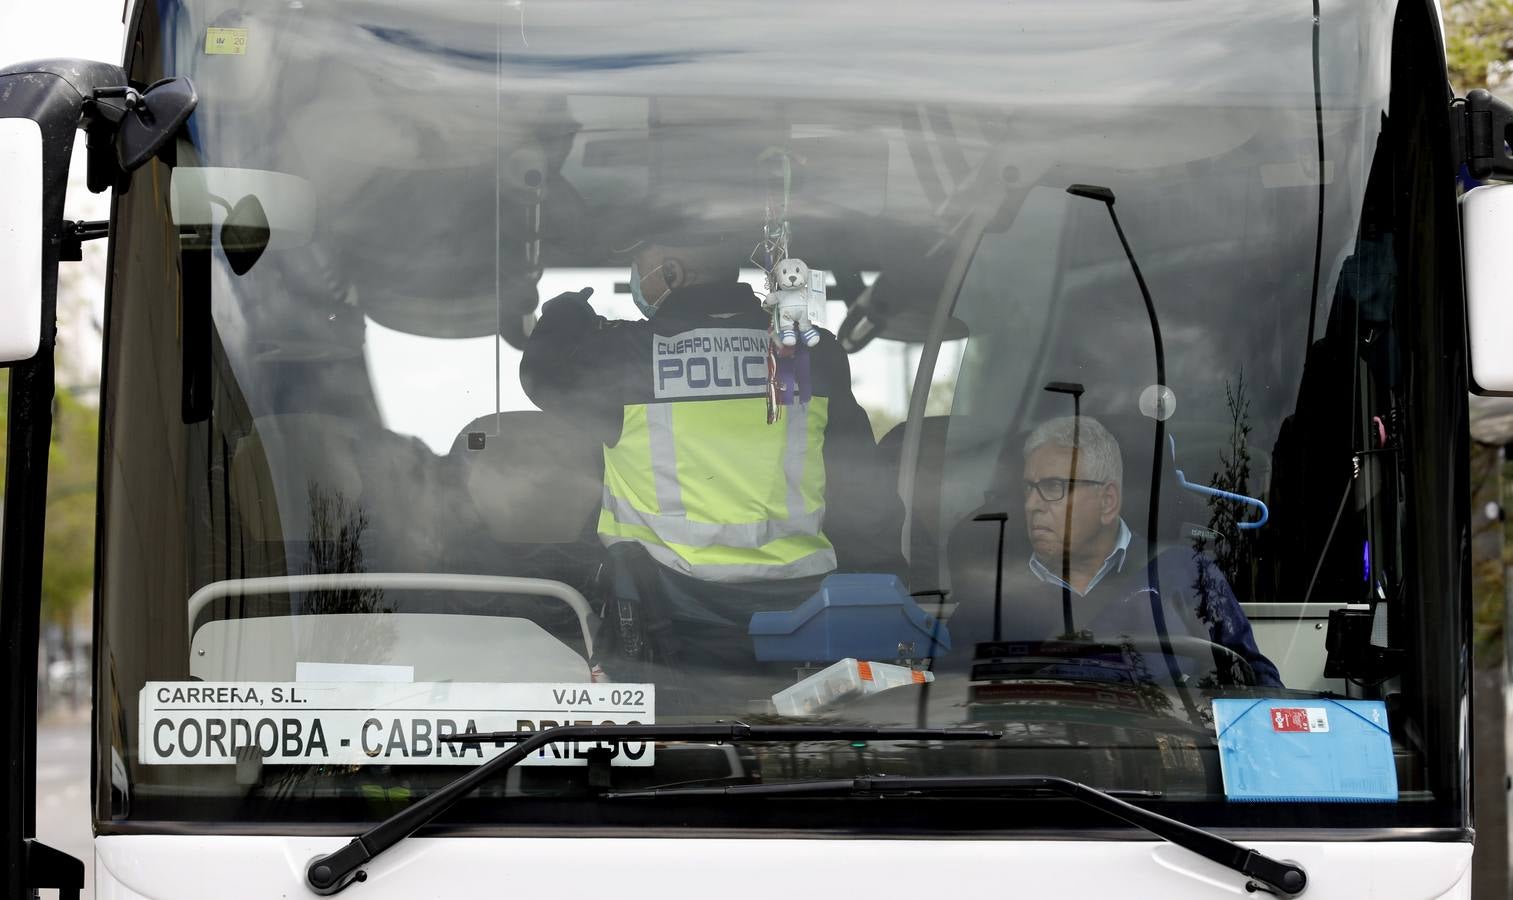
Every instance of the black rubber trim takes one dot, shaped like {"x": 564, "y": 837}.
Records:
{"x": 305, "y": 829}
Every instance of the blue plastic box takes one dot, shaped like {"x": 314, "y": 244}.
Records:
{"x": 862, "y": 616}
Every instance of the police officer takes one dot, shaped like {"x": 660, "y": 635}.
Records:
{"x": 711, "y": 513}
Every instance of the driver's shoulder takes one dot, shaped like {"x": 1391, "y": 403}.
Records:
{"x": 1185, "y": 555}
{"x": 1180, "y": 568}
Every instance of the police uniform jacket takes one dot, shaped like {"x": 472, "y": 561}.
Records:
{"x": 693, "y": 469}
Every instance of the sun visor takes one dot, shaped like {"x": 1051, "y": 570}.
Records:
{"x": 441, "y": 275}
{"x": 714, "y": 168}
{"x": 455, "y": 318}
{"x": 1136, "y": 138}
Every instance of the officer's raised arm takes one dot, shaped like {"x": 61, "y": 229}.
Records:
{"x": 565, "y": 352}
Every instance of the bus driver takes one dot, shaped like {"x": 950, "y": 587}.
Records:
{"x": 1081, "y": 544}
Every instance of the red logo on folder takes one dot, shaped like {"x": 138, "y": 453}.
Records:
{"x": 1289, "y": 718}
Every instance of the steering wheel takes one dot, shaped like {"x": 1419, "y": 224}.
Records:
{"x": 1200, "y": 651}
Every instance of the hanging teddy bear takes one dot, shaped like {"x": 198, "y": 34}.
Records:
{"x": 790, "y": 304}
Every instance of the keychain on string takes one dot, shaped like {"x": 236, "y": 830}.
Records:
{"x": 772, "y": 250}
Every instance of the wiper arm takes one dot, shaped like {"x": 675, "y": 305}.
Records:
{"x": 333, "y": 872}
{"x": 1284, "y": 878}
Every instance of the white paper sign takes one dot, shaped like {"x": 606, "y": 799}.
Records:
{"x": 344, "y": 672}
{"x": 817, "y": 296}
{"x": 374, "y": 723}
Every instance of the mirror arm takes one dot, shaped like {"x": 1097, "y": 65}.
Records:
{"x": 94, "y": 111}
{"x": 71, "y": 246}
{"x": 102, "y": 171}
{"x": 1480, "y": 124}
{"x": 126, "y": 92}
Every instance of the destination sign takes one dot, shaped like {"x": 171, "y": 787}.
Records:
{"x": 372, "y": 723}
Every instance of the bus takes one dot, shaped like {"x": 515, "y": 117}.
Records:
{"x": 1110, "y": 537}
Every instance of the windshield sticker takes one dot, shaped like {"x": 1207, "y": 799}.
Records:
{"x": 226, "y": 41}
{"x": 209, "y": 723}
{"x": 1299, "y": 718}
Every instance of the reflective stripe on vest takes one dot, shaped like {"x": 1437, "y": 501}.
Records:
{"x": 734, "y": 499}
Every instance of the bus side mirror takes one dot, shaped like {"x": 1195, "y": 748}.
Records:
{"x": 152, "y": 119}
{"x": 1487, "y": 228}
{"x": 21, "y": 240}
{"x": 42, "y": 105}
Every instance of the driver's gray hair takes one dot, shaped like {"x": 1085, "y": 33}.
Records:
{"x": 1098, "y": 456}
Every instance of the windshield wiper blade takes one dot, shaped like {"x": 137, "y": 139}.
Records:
{"x": 864, "y": 785}
{"x": 333, "y": 872}
{"x": 1278, "y": 877}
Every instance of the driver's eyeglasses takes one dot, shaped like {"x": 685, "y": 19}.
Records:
{"x": 1053, "y": 489}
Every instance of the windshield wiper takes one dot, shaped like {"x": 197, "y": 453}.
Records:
{"x": 335, "y": 871}
{"x": 864, "y": 785}
{"x": 1275, "y": 876}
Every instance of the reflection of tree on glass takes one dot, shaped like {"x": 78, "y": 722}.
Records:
{"x": 1235, "y": 553}
{"x": 337, "y": 526}
{"x": 1156, "y": 699}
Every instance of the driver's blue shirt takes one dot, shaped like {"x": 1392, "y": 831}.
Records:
{"x": 1197, "y": 601}
{"x": 1114, "y": 561}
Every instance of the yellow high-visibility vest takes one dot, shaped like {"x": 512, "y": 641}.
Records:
{"x": 712, "y": 491}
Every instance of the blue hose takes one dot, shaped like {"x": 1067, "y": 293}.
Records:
{"x": 1216, "y": 492}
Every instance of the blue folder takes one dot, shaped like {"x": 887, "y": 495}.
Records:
{"x": 1305, "y": 749}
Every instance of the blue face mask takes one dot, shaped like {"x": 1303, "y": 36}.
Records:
{"x": 648, "y": 309}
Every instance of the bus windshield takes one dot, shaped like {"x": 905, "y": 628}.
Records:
{"x": 481, "y": 366}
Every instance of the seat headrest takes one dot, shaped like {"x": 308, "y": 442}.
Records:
{"x": 531, "y": 476}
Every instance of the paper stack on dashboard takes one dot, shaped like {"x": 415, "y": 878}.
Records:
{"x": 847, "y": 678}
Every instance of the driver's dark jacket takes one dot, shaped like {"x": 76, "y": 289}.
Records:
{"x": 1195, "y": 600}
